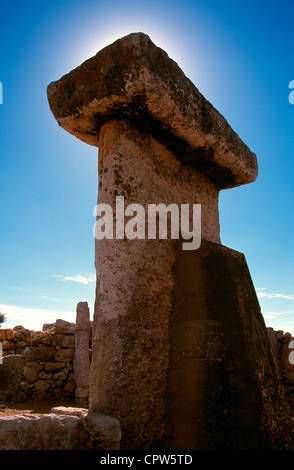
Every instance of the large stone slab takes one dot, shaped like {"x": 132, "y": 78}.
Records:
{"x": 70, "y": 411}
{"x": 34, "y": 353}
{"x": 64, "y": 428}
{"x": 134, "y": 79}
{"x": 224, "y": 389}
{"x": 82, "y": 358}
{"x": 101, "y": 432}
{"x": 135, "y": 280}
{"x": 39, "y": 432}
{"x": 64, "y": 327}
{"x": 11, "y": 371}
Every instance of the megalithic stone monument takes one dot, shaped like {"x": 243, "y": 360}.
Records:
{"x": 180, "y": 351}
{"x": 81, "y": 359}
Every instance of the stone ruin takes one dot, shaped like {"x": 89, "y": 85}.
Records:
{"x": 180, "y": 352}
{"x": 54, "y": 362}
{"x": 52, "y": 365}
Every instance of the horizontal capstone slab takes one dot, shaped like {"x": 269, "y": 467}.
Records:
{"x": 134, "y": 79}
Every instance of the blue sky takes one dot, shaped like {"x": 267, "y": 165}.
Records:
{"x": 240, "y": 57}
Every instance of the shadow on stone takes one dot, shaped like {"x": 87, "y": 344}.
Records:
{"x": 223, "y": 389}
{"x": 10, "y": 375}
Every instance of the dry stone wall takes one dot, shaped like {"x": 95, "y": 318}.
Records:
{"x": 45, "y": 362}
{"x": 282, "y": 344}
{"x": 46, "y": 357}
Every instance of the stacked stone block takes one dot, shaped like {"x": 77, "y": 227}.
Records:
{"x": 48, "y": 359}
{"x": 15, "y": 341}
{"x": 282, "y": 344}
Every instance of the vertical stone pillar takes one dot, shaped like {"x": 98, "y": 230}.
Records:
{"x": 81, "y": 358}
{"x": 135, "y": 280}
{"x": 161, "y": 142}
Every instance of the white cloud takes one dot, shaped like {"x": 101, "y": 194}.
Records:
{"x": 265, "y": 295}
{"x": 273, "y": 314}
{"x": 32, "y": 318}
{"x": 276, "y": 314}
{"x": 53, "y": 299}
{"x": 90, "y": 279}
{"x": 268, "y": 315}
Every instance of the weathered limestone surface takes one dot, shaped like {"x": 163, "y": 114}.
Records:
{"x": 64, "y": 327}
{"x": 224, "y": 388}
{"x": 101, "y": 432}
{"x": 39, "y": 432}
{"x": 11, "y": 374}
{"x": 134, "y": 278}
{"x": 62, "y": 429}
{"x": 134, "y": 79}
{"x": 81, "y": 358}
{"x": 70, "y": 410}
{"x": 160, "y": 141}
{"x": 34, "y": 353}
{"x": 134, "y": 165}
